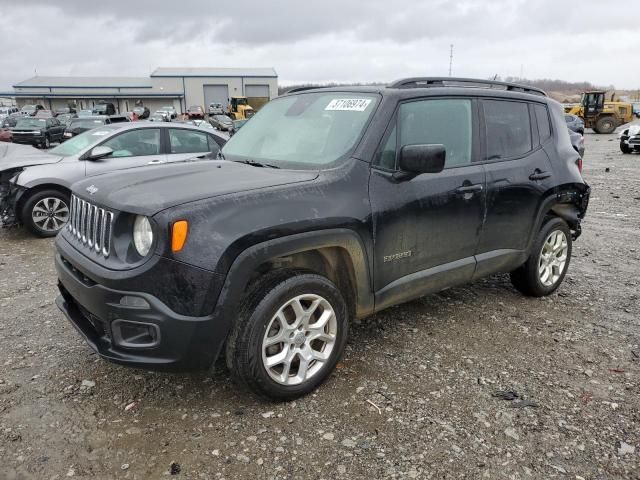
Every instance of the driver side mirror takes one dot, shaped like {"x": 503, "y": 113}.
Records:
{"x": 417, "y": 159}
{"x": 100, "y": 152}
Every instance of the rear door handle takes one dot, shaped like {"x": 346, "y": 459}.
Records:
{"x": 469, "y": 189}
{"x": 154, "y": 162}
{"x": 538, "y": 175}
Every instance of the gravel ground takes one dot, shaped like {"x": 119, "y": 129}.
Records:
{"x": 414, "y": 396}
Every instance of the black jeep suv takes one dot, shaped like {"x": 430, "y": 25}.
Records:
{"x": 329, "y": 204}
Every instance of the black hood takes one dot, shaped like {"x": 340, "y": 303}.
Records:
{"x": 150, "y": 189}
{"x": 13, "y": 155}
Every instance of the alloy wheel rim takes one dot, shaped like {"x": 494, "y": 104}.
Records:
{"x": 50, "y": 214}
{"x": 299, "y": 339}
{"x": 553, "y": 258}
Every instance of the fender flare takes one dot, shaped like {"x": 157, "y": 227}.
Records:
{"x": 237, "y": 278}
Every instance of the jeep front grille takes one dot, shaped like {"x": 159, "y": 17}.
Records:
{"x": 91, "y": 225}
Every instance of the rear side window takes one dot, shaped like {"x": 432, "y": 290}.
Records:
{"x": 189, "y": 141}
{"x": 508, "y": 129}
{"x": 446, "y": 121}
{"x": 544, "y": 127}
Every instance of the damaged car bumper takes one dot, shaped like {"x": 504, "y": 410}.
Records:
{"x": 10, "y": 194}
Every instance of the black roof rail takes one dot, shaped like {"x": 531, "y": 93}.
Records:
{"x": 302, "y": 89}
{"x": 428, "y": 82}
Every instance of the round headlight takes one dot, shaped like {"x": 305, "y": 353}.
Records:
{"x": 142, "y": 235}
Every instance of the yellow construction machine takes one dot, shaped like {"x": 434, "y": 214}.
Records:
{"x": 599, "y": 114}
{"x": 239, "y": 108}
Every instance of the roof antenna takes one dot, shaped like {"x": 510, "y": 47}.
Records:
{"x": 450, "y": 59}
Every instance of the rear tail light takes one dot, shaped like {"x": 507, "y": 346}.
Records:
{"x": 579, "y": 164}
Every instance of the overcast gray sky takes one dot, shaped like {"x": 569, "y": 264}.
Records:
{"x": 332, "y": 40}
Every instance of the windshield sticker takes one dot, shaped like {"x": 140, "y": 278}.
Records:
{"x": 100, "y": 133}
{"x": 349, "y": 104}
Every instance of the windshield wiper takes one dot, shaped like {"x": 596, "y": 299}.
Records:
{"x": 253, "y": 163}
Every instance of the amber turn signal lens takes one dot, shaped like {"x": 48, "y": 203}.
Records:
{"x": 179, "y": 234}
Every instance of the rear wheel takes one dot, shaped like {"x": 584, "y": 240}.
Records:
{"x": 605, "y": 125}
{"x": 547, "y": 265}
{"x": 45, "y": 213}
{"x": 289, "y": 336}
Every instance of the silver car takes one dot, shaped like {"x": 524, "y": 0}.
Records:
{"x": 34, "y": 184}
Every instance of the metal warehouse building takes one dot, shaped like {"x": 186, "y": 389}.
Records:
{"x": 180, "y": 87}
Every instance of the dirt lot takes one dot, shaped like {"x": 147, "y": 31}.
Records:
{"x": 413, "y": 397}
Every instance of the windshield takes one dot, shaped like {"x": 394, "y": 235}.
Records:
{"x": 307, "y": 131}
{"x": 75, "y": 145}
{"x": 31, "y": 123}
{"x": 86, "y": 123}
{"x": 222, "y": 118}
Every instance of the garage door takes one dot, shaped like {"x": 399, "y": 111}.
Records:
{"x": 216, "y": 94}
{"x": 257, "y": 95}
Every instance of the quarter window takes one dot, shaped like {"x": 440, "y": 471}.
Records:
{"x": 544, "y": 127}
{"x": 446, "y": 122}
{"x": 508, "y": 129}
{"x": 135, "y": 143}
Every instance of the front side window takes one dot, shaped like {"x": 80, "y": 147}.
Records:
{"x": 135, "y": 143}
{"x": 440, "y": 121}
{"x": 508, "y": 129}
{"x": 188, "y": 141}
{"x": 306, "y": 131}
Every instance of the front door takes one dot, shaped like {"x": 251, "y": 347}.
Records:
{"x": 131, "y": 148}
{"x": 426, "y": 229}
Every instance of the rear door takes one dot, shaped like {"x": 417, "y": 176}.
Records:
{"x": 518, "y": 175}
{"x": 426, "y": 229}
{"x": 131, "y": 148}
{"x": 186, "y": 143}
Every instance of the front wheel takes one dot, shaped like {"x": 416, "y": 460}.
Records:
{"x": 46, "y": 212}
{"x": 624, "y": 148}
{"x": 289, "y": 336}
{"x": 548, "y": 263}
{"x": 47, "y": 142}
{"x": 605, "y": 125}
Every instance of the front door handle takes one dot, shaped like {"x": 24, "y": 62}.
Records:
{"x": 465, "y": 189}
{"x": 538, "y": 175}
{"x": 154, "y": 162}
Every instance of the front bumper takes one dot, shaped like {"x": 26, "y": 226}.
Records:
{"x": 9, "y": 196}
{"x": 28, "y": 139}
{"x": 145, "y": 333}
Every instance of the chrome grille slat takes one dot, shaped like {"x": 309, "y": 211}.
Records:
{"x": 91, "y": 225}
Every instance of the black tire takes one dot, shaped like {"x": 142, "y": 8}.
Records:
{"x": 47, "y": 142}
{"x": 244, "y": 351}
{"x": 527, "y": 279}
{"x": 625, "y": 148}
{"x": 45, "y": 228}
{"x": 605, "y": 125}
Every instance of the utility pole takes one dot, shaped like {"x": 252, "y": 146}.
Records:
{"x": 450, "y": 59}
